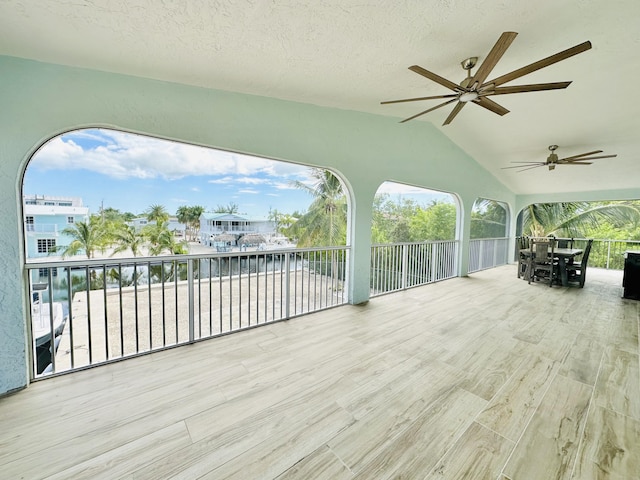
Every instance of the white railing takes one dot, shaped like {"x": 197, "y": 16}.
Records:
{"x": 41, "y": 227}
{"x": 138, "y": 305}
{"x": 487, "y": 253}
{"x": 402, "y": 265}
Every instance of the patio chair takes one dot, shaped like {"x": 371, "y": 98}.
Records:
{"x": 523, "y": 260}
{"x": 565, "y": 243}
{"x": 542, "y": 262}
{"x": 577, "y": 272}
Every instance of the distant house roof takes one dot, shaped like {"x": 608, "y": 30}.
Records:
{"x": 232, "y": 217}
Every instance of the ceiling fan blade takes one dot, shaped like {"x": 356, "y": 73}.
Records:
{"x": 590, "y": 158}
{"x": 492, "y": 58}
{"x": 574, "y": 163}
{"x": 430, "y": 110}
{"x": 453, "y": 113}
{"x": 450, "y": 95}
{"x": 535, "y": 87}
{"x": 528, "y": 164}
{"x": 491, "y": 105}
{"x": 436, "y": 78}
{"x": 545, "y": 62}
{"x": 535, "y": 166}
{"x": 580, "y": 155}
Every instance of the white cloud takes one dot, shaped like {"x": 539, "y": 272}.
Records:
{"x": 124, "y": 155}
{"x": 249, "y": 190}
{"x": 284, "y": 186}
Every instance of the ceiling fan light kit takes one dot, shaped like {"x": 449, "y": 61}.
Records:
{"x": 475, "y": 88}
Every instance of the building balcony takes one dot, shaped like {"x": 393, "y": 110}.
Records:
{"x": 47, "y": 228}
{"x": 483, "y": 376}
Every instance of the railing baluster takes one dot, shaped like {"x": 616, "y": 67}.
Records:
{"x": 88, "y": 282}
{"x": 70, "y": 319}
{"x": 190, "y": 300}
{"x": 150, "y": 303}
{"x": 106, "y": 321}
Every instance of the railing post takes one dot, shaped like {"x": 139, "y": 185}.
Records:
{"x": 608, "y": 252}
{"x": 495, "y": 252}
{"x": 287, "y": 285}
{"x": 405, "y": 259}
{"x": 433, "y": 266}
{"x": 190, "y": 299}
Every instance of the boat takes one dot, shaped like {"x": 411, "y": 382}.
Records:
{"x": 45, "y": 318}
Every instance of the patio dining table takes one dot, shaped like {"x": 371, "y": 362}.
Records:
{"x": 564, "y": 255}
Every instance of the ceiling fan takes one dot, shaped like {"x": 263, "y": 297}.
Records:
{"x": 553, "y": 160}
{"x": 477, "y": 89}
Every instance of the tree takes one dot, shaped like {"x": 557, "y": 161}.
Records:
{"x": 230, "y": 208}
{"x": 391, "y": 219}
{"x": 87, "y": 238}
{"x": 438, "y": 222}
{"x": 325, "y": 222}
{"x": 488, "y": 219}
{"x": 157, "y": 213}
{"x": 161, "y": 239}
{"x": 190, "y": 216}
{"x": 125, "y": 237}
{"x": 574, "y": 219}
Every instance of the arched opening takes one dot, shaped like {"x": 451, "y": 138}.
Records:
{"x": 413, "y": 237}
{"x": 135, "y": 244}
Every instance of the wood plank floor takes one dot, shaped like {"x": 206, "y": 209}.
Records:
{"x": 484, "y": 377}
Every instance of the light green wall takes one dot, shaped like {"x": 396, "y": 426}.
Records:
{"x": 39, "y": 101}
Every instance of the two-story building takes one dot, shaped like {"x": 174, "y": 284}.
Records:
{"x": 45, "y": 219}
{"x": 214, "y": 224}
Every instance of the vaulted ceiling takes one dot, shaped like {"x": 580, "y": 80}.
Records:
{"x": 352, "y": 55}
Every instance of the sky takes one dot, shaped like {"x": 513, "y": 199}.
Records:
{"x": 131, "y": 172}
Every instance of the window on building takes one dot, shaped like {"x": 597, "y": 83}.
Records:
{"x": 44, "y": 272}
{"x": 65, "y": 204}
{"x": 46, "y": 245}
{"x": 30, "y": 223}
{"x": 49, "y": 203}
{"x": 70, "y": 220}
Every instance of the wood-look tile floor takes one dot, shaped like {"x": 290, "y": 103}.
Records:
{"x": 471, "y": 378}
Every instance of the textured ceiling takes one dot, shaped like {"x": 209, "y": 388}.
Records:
{"x": 351, "y": 54}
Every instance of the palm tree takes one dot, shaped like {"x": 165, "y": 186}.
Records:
{"x": 126, "y": 238}
{"x": 157, "y": 213}
{"x": 87, "y": 238}
{"x": 325, "y": 222}
{"x": 190, "y": 216}
{"x": 161, "y": 240}
{"x": 571, "y": 219}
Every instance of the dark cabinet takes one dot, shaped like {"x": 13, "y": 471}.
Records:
{"x": 631, "y": 278}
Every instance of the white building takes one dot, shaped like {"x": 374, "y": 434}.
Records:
{"x": 213, "y": 224}
{"x": 46, "y": 217}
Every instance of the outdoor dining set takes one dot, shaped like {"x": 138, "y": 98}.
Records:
{"x": 552, "y": 260}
